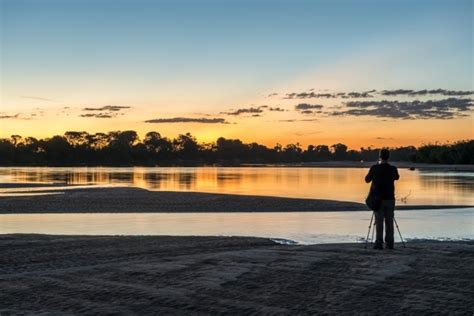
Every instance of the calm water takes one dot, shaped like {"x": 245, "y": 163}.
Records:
{"x": 414, "y": 187}
{"x": 307, "y": 228}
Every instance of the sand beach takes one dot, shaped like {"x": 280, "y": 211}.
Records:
{"x": 57, "y": 275}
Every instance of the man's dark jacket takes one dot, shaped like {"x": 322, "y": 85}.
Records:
{"x": 382, "y": 176}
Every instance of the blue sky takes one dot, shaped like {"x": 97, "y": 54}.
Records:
{"x": 185, "y": 57}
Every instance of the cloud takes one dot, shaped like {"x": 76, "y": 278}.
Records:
{"x": 189, "y": 120}
{"x": 37, "y": 98}
{"x": 370, "y": 94}
{"x": 272, "y": 94}
{"x": 5, "y": 117}
{"x": 344, "y": 95}
{"x": 413, "y": 93}
{"x": 431, "y": 109}
{"x": 98, "y": 115}
{"x": 307, "y": 106}
{"x": 113, "y": 108}
{"x": 107, "y": 111}
{"x": 355, "y": 95}
{"x": 396, "y": 92}
{"x": 250, "y": 110}
{"x": 17, "y": 116}
{"x": 298, "y": 120}
{"x": 276, "y": 109}
{"x": 255, "y": 111}
{"x": 308, "y": 95}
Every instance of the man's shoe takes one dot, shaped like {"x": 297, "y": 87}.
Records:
{"x": 378, "y": 247}
{"x": 389, "y": 247}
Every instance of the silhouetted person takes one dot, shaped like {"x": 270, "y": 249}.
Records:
{"x": 383, "y": 175}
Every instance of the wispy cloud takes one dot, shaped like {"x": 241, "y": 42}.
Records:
{"x": 276, "y": 109}
{"x": 113, "y": 108}
{"x": 107, "y": 111}
{"x": 5, "y": 116}
{"x": 326, "y": 95}
{"x": 413, "y": 93}
{"x": 251, "y": 110}
{"x": 370, "y": 94}
{"x": 308, "y": 95}
{"x": 298, "y": 120}
{"x": 98, "y": 115}
{"x": 37, "y": 98}
{"x": 254, "y": 111}
{"x": 307, "y": 106}
{"x": 204, "y": 120}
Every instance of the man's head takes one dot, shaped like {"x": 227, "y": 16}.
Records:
{"x": 384, "y": 154}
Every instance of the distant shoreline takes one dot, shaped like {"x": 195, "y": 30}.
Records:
{"x": 368, "y": 164}
{"x": 325, "y": 164}
{"x": 137, "y": 200}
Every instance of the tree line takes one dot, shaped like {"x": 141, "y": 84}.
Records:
{"x": 126, "y": 148}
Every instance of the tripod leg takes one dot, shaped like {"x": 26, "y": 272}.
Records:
{"x": 373, "y": 231}
{"x": 396, "y": 224}
{"x": 368, "y": 233}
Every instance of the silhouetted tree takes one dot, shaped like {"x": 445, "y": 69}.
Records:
{"x": 461, "y": 152}
{"x": 340, "y": 151}
{"x": 57, "y": 150}
{"x": 120, "y": 148}
{"x": 7, "y": 152}
{"x": 125, "y": 148}
{"x": 186, "y": 147}
{"x": 292, "y": 153}
{"x": 160, "y": 148}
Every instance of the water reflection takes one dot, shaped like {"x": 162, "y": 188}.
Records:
{"x": 415, "y": 187}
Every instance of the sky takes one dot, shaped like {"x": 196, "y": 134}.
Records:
{"x": 360, "y": 72}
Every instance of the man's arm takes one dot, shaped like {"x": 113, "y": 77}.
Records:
{"x": 369, "y": 176}
{"x": 396, "y": 176}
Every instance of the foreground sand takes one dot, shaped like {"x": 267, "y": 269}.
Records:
{"x": 214, "y": 275}
{"x": 135, "y": 200}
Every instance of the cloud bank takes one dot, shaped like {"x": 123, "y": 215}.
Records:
{"x": 413, "y": 93}
{"x": 371, "y": 93}
{"x": 431, "y": 109}
{"x": 189, "y": 120}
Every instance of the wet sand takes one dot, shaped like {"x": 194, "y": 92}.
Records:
{"x": 136, "y": 200}
{"x": 215, "y": 275}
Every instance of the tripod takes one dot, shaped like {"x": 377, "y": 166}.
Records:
{"x": 373, "y": 230}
